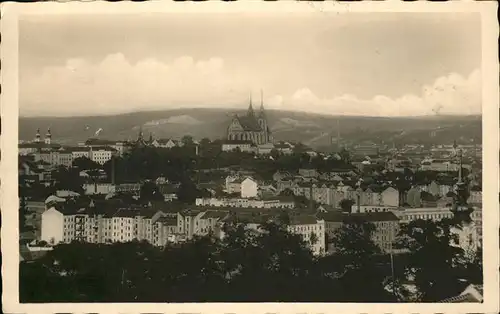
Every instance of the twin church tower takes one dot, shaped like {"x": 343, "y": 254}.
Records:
{"x": 251, "y": 127}
{"x": 47, "y": 139}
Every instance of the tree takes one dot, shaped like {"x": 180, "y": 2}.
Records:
{"x": 84, "y": 163}
{"x": 187, "y": 140}
{"x": 357, "y": 253}
{"x": 439, "y": 277}
{"x": 345, "y": 156}
{"x": 68, "y": 179}
{"x": 149, "y": 192}
{"x": 188, "y": 192}
{"x": 346, "y": 205}
{"x": 22, "y": 206}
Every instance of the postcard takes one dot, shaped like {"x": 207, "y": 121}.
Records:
{"x": 261, "y": 157}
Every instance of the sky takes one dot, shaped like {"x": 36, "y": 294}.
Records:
{"x": 373, "y": 64}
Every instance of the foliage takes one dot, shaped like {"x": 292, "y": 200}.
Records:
{"x": 84, "y": 163}
{"x": 149, "y": 192}
{"x": 68, "y": 179}
{"x": 346, "y": 205}
{"x": 269, "y": 264}
{"x": 438, "y": 268}
{"x": 357, "y": 254}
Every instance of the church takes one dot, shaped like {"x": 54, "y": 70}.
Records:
{"x": 252, "y": 127}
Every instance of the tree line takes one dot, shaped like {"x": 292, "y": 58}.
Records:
{"x": 249, "y": 266}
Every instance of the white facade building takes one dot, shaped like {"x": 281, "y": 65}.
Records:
{"x": 249, "y": 188}
{"x": 312, "y": 232}
{"x": 101, "y": 155}
{"x": 53, "y": 226}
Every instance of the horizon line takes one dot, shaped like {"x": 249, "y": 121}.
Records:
{"x": 242, "y": 109}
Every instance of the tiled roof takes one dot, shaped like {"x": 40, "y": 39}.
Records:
{"x": 127, "y": 213}
{"x": 235, "y": 142}
{"x": 249, "y": 123}
{"x": 99, "y": 141}
{"x": 214, "y": 214}
{"x": 346, "y": 217}
{"x": 167, "y": 221}
{"x": 39, "y": 145}
{"x": 303, "y": 220}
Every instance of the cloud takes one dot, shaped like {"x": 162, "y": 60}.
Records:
{"x": 451, "y": 94}
{"x": 115, "y": 86}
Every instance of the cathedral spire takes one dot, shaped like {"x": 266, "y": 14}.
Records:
{"x": 250, "y": 107}
{"x": 261, "y": 100}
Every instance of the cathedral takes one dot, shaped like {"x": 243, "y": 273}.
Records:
{"x": 251, "y": 127}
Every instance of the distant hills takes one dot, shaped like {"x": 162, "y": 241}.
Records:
{"x": 312, "y": 129}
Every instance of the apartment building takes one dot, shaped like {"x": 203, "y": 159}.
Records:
{"x": 273, "y": 202}
{"x": 386, "y": 226}
{"x": 64, "y": 223}
{"x": 311, "y": 230}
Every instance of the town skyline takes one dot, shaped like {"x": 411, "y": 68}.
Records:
{"x": 384, "y": 72}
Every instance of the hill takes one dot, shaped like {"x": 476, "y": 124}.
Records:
{"x": 312, "y": 129}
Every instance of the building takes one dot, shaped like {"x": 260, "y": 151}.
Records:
{"x": 273, "y": 202}
{"x": 98, "y": 188}
{"x": 188, "y": 222}
{"x": 249, "y": 188}
{"x": 164, "y": 229}
{"x": 233, "y": 185}
{"x": 67, "y": 222}
{"x": 377, "y": 196}
{"x": 386, "y": 226}
{"x": 209, "y": 221}
{"x": 101, "y": 155}
{"x": 251, "y": 127}
{"x": 312, "y": 231}
{"x": 366, "y": 150}
{"x": 167, "y": 143}
{"x": 241, "y": 145}
{"x": 308, "y": 172}
{"x": 433, "y": 213}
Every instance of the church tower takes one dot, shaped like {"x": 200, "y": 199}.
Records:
{"x": 48, "y": 137}
{"x": 463, "y": 227}
{"x": 37, "y": 136}
{"x": 250, "y": 112}
{"x": 263, "y": 121}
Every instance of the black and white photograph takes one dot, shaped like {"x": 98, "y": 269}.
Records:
{"x": 316, "y": 155}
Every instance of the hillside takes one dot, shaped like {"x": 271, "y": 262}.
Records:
{"x": 312, "y": 129}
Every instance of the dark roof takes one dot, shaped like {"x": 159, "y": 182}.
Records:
{"x": 39, "y": 145}
{"x": 190, "y": 212}
{"x": 346, "y": 217}
{"x": 249, "y": 123}
{"x": 235, "y": 142}
{"x": 426, "y": 196}
{"x": 99, "y": 141}
{"x": 167, "y": 221}
{"x": 128, "y": 213}
{"x": 281, "y": 198}
{"x": 303, "y": 220}
{"x": 168, "y": 188}
{"x": 214, "y": 214}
